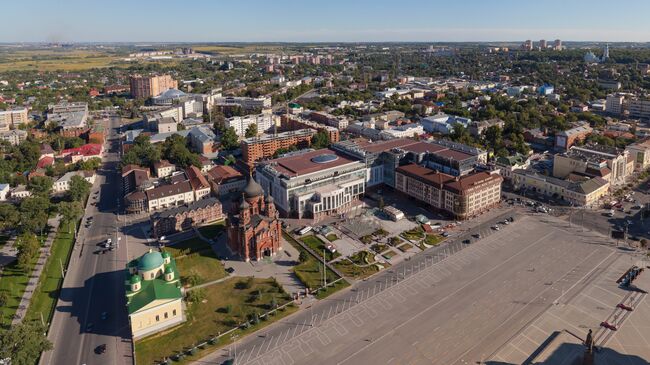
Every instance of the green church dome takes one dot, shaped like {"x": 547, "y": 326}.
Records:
{"x": 150, "y": 261}
{"x": 135, "y": 279}
{"x": 169, "y": 270}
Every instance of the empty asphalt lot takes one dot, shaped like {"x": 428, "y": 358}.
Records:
{"x": 439, "y": 308}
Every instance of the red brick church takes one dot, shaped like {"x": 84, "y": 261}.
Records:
{"x": 254, "y": 229}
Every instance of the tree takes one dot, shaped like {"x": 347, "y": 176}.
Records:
{"x": 303, "y": 256}
{"x": 175, "y": 150}
{"x": 40, "y": 185}
{"x": 28, "y": 247}
{"x": 320, "y": 140}
{"x": 79, "y": 189}
{"x": 9, "y": 216}
{"x": 142, "y": 152}
{"x": 196, "y": 295}
{"x": 251, "y": 131}
{"x": 229, "y": 139}
{"x": 4, "y": 298}
{"x": 34, "y": 213}
{"x": 23, "y": 343}
{"x": 70, "y": 211}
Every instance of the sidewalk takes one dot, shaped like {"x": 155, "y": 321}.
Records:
{"x": 8, "y": 253}
{"x": 38, "y": 270}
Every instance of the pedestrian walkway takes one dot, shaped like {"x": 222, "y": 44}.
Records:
{"x": 8, "y": 253}
{"x": 37, "y": 271}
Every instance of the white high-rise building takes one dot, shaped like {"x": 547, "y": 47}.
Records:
{"x": 614, "y": 104}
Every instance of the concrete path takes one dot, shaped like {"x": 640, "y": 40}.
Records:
{"x": 37, "y": 271}
{"x": 8, "y": 253}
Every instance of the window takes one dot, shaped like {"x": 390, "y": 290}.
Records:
{"x": 157, "y": 318}
{"x": 174, "y": 312}
{"x": 166, "y": 316}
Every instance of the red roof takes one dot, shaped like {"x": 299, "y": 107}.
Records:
{"x": 305, "y": 164}
{"x": 45, "y": 161}
{"x": 90, "y": 149}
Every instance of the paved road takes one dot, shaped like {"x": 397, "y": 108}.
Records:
{"x": 94, "y": 284}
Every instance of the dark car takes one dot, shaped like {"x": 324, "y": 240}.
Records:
{"x": 230, "y": 270}
{"x": 467, "y": 242}
{"x": 608, "y": 325}
{"x": 100, "y": 349}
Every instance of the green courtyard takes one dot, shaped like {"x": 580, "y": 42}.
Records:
{"x": 226, "y": 305}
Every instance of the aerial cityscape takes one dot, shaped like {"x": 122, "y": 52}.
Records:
{"x": 350, "y": 183}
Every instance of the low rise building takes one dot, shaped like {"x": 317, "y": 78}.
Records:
{"x": 582, "y": 191}
{"x": 163, "y": 168}
{"x": 590, "y": 160}
{"x": 402, "y": 131}
{"x": 291, "y": 122}
{"x": 154, "y": 299}
{"x": 508, "y": 164}
{"x": 443, "y": 123}
{"x": 463, "y": 197}
{"x": 264, "y": 123}
{"x": 184, "y": 217}
{"x": 640, "y": 153}
{"x": 478, "y": 128}
{"x": 12, "y": 118}
{"x": 201, "y": 139}
{"x": 63, "y": 183}
{"x": 14, "y": 137}
{"x": 313, "y": 184}
{"x": 133, "y": 177}
{"x": 4, "y": 192}
{"x": 199, "y": 183}
{"x": 83, "y": 153}
{"x": 225, "y": 180}
{"x": 566, "y": 139}
{"x": 169, "y": 195}
{"x": 20, "y": 192}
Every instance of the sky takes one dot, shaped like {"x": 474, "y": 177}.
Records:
{"x": 323, "y": 20}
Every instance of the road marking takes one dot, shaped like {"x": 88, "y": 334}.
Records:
{"x": 449, "y": 295}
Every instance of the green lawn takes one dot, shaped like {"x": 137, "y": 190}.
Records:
{"x": 352, "y": 270}
{"x": 212, "y": 230}
{"x": 187, "y": 247}
{"x": 318, "y": 246}
{"x": 378, "y": 247}
{"x": 205, "y": 320}
{"x": 310, "y": 272}
{"x": 394, "y": 241}
{"x": 433, "y": 239}
{"x": 13, "y": 281}
{"x": 332, "y": 237}
{"x": 405, "y": 247}
{"x": 389, "y": 254}
{"x": 414, "y": 234}
{"x": 196, "y": 262}
{"x": 45, "y": 297}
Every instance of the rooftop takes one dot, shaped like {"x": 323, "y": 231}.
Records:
{"x": 199, "y": 204}
{"x": 302, "y": 164}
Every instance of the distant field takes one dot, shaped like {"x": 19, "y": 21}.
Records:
{"x": 54, "y": 59}
{"x": 235, "y": 49}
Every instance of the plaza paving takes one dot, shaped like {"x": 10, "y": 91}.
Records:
{"x": 452, "y": 304}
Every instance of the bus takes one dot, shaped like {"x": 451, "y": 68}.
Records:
{"x": 303, "y": 230}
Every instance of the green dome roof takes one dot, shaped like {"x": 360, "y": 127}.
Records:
{"x": 150, "y": 261}
{"x": 135, "y": 279}
{"x": 169, "y": 270}
{"x": 165, "y": 255}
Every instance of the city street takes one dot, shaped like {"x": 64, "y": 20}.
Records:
{"x": 94, "y": 282}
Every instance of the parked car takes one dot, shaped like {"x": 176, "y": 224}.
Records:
{"x": 624, "y": 307}
{"x": 608, "y": 325}
{"x": 100, "y": 349}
